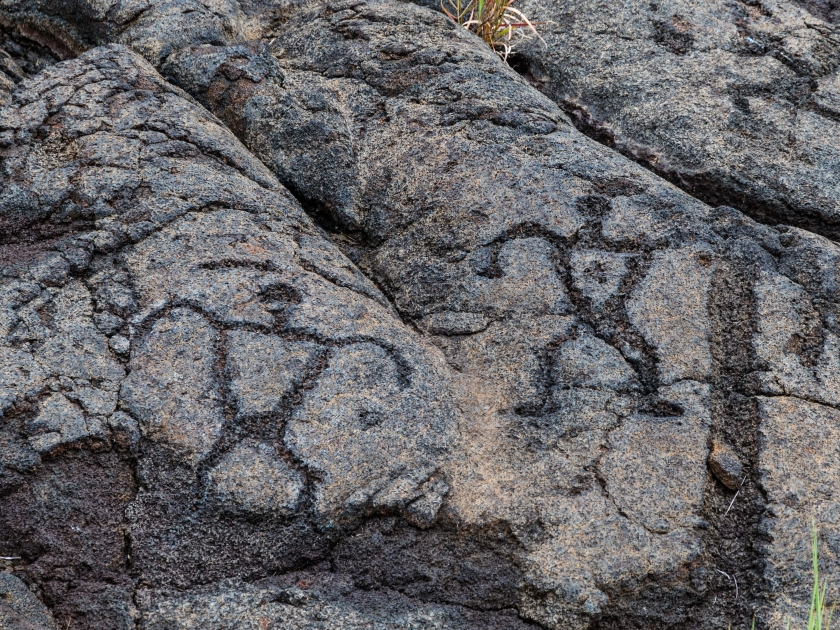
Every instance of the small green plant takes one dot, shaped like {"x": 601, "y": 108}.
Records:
{"x": 819, "y": 616}
{"x": 494, "y": 21}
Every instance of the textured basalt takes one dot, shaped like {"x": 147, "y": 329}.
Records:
{"x": 736, "y": 102}
{"x": 514, "y": 378}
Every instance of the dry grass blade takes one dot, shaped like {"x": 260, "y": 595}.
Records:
{"x": 494, "y": 21}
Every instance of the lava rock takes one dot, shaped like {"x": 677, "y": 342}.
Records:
{"x": 19, "y": 608}
{"x": 209, "y": 260}
{"x": 736, "y": 103}
{"x": 503, "y": 403}
{"x": 726, "y": 466}
{"x": 645, "y": 259}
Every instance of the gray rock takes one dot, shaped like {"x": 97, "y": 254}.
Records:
{"x": 726, "y": 466}
{"x": 126, "y": 428}
{"x": 423, "y": 511}
{"x": 645, "y": 449}
{"x": 119, "y": 344}
{"x": 355, "y": 438}
{"x": 678, "y": 282}
{"x": 798, "y": 463}
{"x": 308, "y": 601}
{"x": 108, "y": 323}
{"x": 499, "y": 254}
{"x": 644, "y": 257}
{"x": 20, "y": 376}
{"x": 251, "y": 478}
{"x": 586, "y": 361}
{"x": 68, "y": 29}
{"x": 20, "y": 609}
{"x": 20, "y": 57}
{"x": 211, "y": 265}
{"x": 450, "y": 323}
{"x": 74, "y": 347}
{"x": 97, "y": 401}
{"x": 17, "y": 455}
{"x": 266, "y": 369}
{"x": 598, "y": 275}
{"x": 523, "y": 422}
{"x": 172, "y": 389}
{"x": 735, "y": 103}
{"x": 61, "y": 422}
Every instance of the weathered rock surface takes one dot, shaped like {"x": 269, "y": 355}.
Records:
{"x": 517, "y": 424}
{"x": 20, "y": 58}
{"x": 580, "y": 293}
{"x": 129, "y": 214}
{"x": 726, "y": 466}
{"x": 20, "y": 609}
{"x": 154, "y": 27}
{"x": 303, "y": 601}
{"x": 736, "y": 102}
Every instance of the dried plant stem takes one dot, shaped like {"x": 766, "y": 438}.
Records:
{"x": 495, "y": 21}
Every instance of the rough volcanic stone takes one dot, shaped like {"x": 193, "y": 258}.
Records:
{"x": 251, "y": 478}
{"x": 20, "y": 376}
{"x": 736, "y": 102}
{"x": 725, "y": 466}
{"x": 133, "y": 210}
{"x": 172, "y": 388}
{"x": 20, "y": 609}
{"x": 798, "y": 465}
{"x": 598, "y": 274}
{"x": 556, "y": 243}
{"x": 20, "y": 57}
{"x": 309, "y": 601}
{"x": 543, "y": 368}
{"x": 669, "y": 308}
{"x": 522, "y": 424}
{"x": 61, "y": 422}
{"x": 154, "y": 27}
{"x": 266, "y": 369}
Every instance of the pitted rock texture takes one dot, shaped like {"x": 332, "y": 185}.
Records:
{"x": 573, "y": 290}
{"x": 20, "y": 58}
{"x": 20, "y": 608}
{"x": 797, "y": 460}
{"x": 306, "y": 600}
{"x": 503, "y": 411}
{"x": 69, "y": 28}
{"x": 736, "y": 102}
{"x": 155, "y": 227}
{"x": 725, "y": 465}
